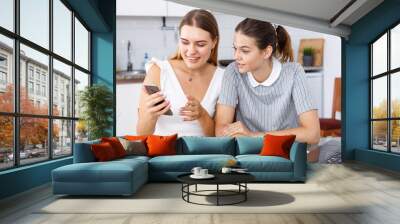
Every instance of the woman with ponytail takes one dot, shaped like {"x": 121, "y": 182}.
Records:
{"x": 264, "y": 91}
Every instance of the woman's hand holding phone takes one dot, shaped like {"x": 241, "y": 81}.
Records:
{"x": 192, "y": 110}
{"x": 156, "y": 103}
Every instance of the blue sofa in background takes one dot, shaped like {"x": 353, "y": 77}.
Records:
{"x": 125, "y": 176}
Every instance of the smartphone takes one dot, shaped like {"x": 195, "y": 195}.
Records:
{"x": 154, "y": 89}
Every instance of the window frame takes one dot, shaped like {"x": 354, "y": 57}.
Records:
{"x": 16, "y": 115}
{"x": 388, "y": 74}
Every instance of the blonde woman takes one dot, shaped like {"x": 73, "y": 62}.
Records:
{"x": 190, "y": 82}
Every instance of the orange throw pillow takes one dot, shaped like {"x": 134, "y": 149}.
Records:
{"x": 161, "y": 145}
{"x": 136, "y": 137}
{"x": 103, "y": 151}
{"x": 116, "y": 145}
{"x": 277, "y": 145}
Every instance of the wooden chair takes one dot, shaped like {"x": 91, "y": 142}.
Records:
{"x": 332, "y": 126}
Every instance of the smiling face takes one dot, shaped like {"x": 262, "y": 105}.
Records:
{"x": 195, "y": 46}
{"x": 248, "y": 56}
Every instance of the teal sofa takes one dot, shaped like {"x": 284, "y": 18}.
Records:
{"x": 125, "y": 176}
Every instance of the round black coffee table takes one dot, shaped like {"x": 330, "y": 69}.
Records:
{"x": 238, "y": 179}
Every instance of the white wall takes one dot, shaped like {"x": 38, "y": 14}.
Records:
{"x": 127, "y": 104}
{"x": 147, "y": 36}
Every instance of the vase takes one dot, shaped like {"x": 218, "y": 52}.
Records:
{"x": 308, "y": 60}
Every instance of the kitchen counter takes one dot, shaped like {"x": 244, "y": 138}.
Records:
{"x": 134, "y": 76}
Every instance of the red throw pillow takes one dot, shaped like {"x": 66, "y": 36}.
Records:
{"x": 116, "y": 145}
{"x": 103, "y": 151}
{"x": 277, "y": 145}
{"x": 161, "y": 145}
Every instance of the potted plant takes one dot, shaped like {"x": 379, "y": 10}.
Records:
{"x": 96, "y": 102}
{"x": 308, "y": 56}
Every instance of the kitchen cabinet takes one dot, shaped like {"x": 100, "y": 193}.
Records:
{"x": 151, "y": 8}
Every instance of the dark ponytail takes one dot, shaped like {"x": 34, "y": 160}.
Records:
{"x": 265, "y": 35}
{"x": 284, "y": 45}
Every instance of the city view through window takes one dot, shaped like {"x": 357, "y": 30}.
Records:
{"x": 48, "y": 74}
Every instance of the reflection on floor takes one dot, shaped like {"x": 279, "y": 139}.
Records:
{"x": 328, "y": 150}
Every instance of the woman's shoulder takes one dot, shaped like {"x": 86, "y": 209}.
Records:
{"x": 291, "y": 66}
{"x": 155, "y": 63}
{"x": 292, "y": 70}
{"x": 175, "y": 62}
{"x": 232, "y": 70}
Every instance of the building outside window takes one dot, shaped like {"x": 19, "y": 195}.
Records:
{"x": 3, "y": 61}
{"x": 3, "y": 72}
{"x": 37, "y": 75}
{"x": 3, "y": 78}
{"x": 30, "y": 72}
{"x": 43, "y": 90}
{"x": 43, "y": 78}
{"x": 30, "y": 87}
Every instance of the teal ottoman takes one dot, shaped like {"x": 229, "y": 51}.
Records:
{"x": 119, "y": 177}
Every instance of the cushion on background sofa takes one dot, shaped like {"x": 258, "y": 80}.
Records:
{"x": 185, "y": 163}
{"x": 136, "y": 147}
{"x": 116, "y": 145}
{"x": 193, "y": 145}
{"x": 136, "y": 137}
{"x": 161, "y": 145}
{"x": 257, "y": 163}
{"x": 277, "y": 145}
{"x": 249, "y": 145}
{"x": 103, "y": 152}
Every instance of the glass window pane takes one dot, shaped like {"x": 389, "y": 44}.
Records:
{"x": 62, "y": 29}
{"x": 395, "y": 95}
{"x": 81, "y": 131}
{"x": 33, "y": 140}
{"x": 62, "y": 89}
{"x": 7, "y": 14}
{"x": 395, "y": 136}
{"x": 379, "y": 135}
{"x": 379, "y": 55}
{"x": 6, "y": 142}
{"x": 379, "y": 97}
{"x": 62, "y": 138}
{"x": 35, "y": 21}
{"x": 6, "y": 74}
{"x": 395, "y": 47}
{"x": 81, "y": 81}
{"x": 81, "y": 45}
{"x": 34, "y": 78}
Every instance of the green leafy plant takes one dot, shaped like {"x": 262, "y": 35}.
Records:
{"x": 96, "y": 102}
{"x": 308, "y": 51}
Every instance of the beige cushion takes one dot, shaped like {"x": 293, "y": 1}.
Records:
{"x": 133, "y": 147}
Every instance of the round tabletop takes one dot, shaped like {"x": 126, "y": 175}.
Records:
{"x": 220, "y": 178}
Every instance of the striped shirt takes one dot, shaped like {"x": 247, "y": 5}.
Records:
{"x": 269, "y": 107}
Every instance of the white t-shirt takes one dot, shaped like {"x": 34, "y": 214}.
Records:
{"x": 170, "y": 86}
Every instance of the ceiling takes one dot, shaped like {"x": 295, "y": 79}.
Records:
{"x": 325, "y": 16}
